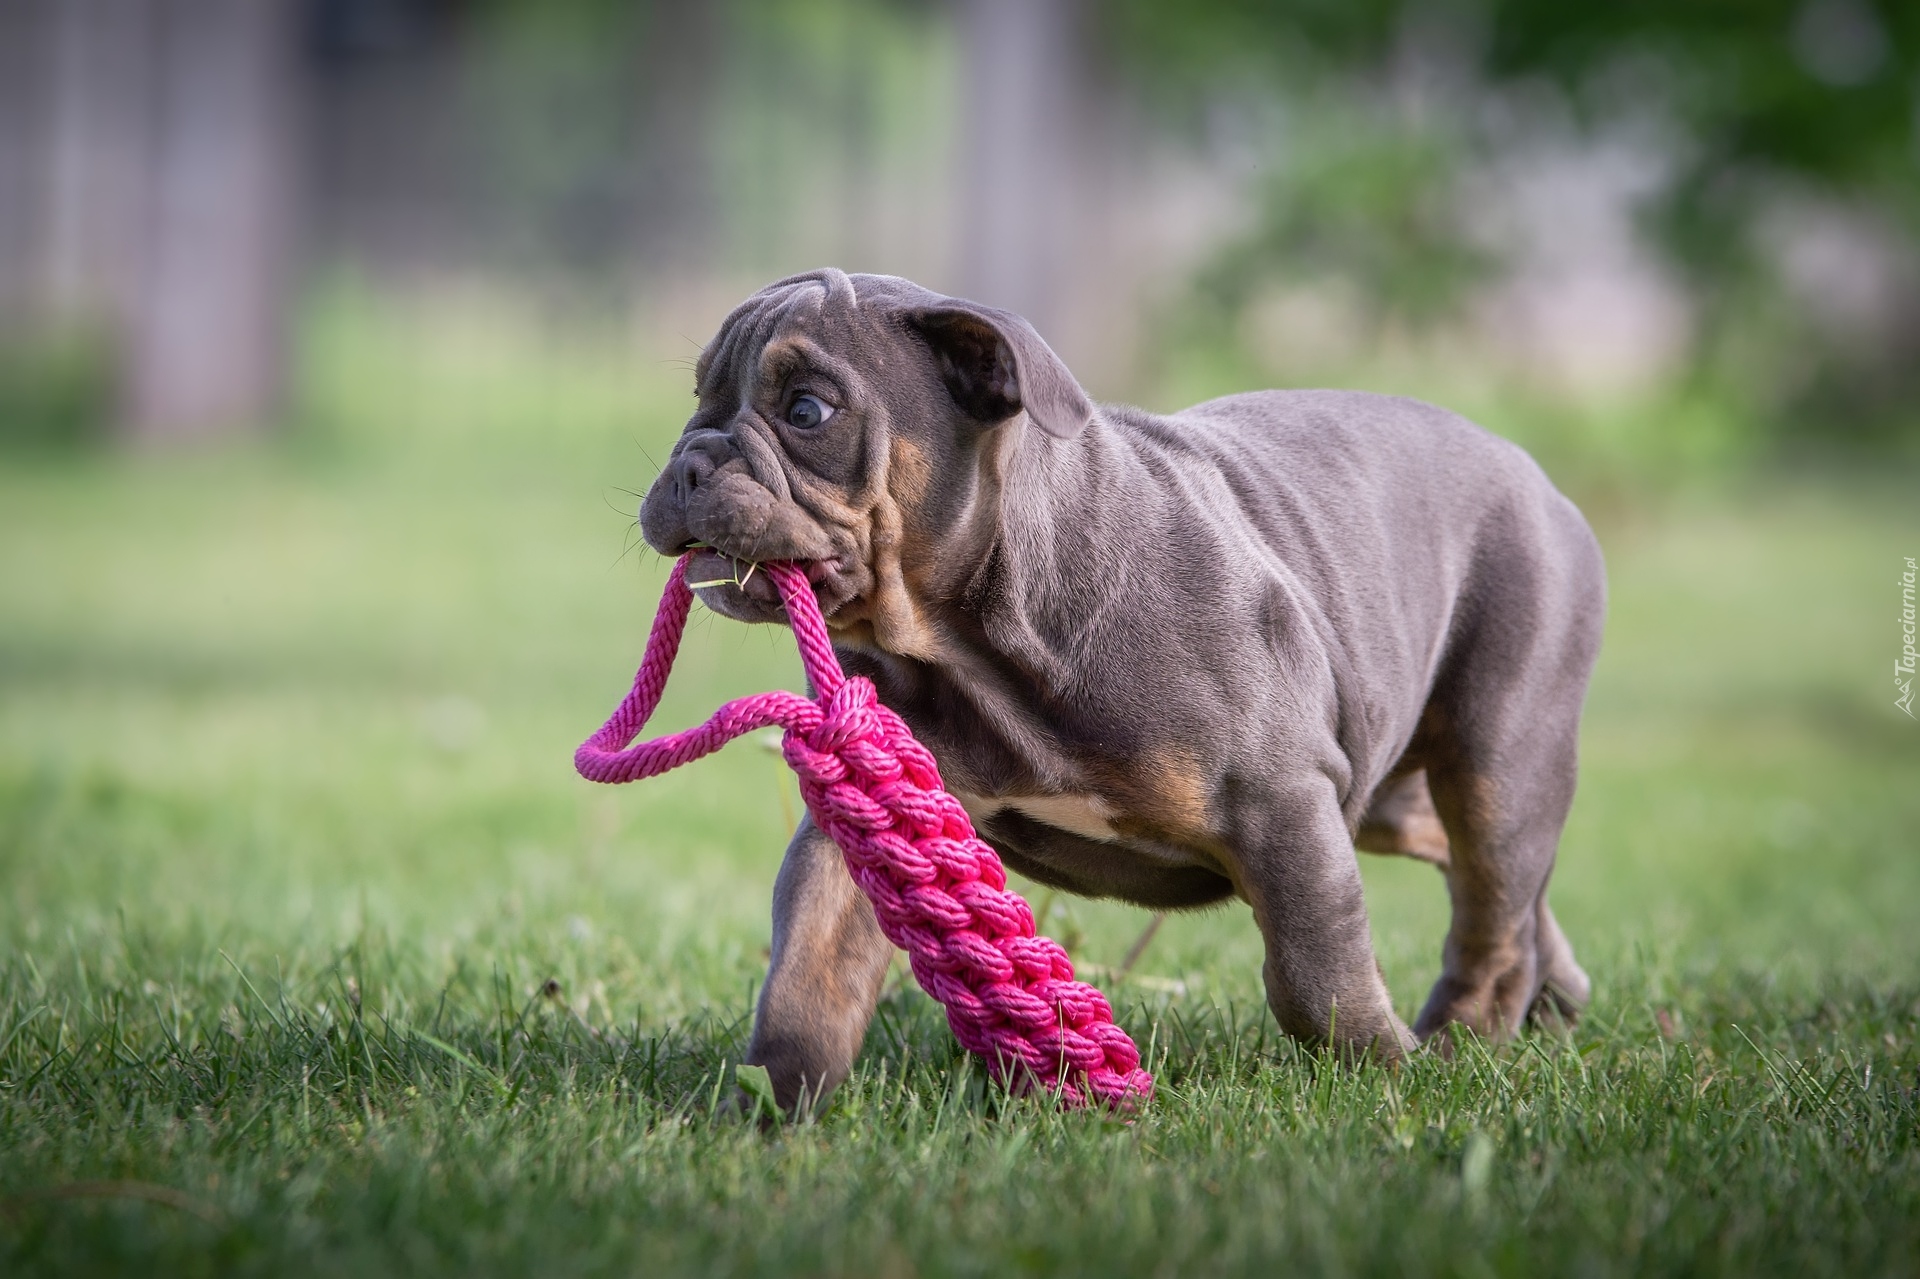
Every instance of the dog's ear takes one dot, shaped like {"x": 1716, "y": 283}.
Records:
{"x": 994, "y": 365}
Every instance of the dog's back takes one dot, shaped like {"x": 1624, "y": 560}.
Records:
{"x": 1409, "y": 531}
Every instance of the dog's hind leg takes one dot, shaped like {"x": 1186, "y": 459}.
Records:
{"x": 1401, "y": 820}
{"x": 1502, "y": 942}
{"x": 829, "y": 960}
{"x": 1499, "y": 741}
{"x": 1565, "y": 986}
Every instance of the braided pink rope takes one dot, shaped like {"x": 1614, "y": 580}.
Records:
{"x": 940, "y": 893}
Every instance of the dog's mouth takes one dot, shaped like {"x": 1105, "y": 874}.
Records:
{"x": 743, "y": 589}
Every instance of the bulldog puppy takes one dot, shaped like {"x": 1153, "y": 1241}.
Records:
{"x": 1167, "y": 659}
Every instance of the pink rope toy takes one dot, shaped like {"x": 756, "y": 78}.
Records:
{"x": 940, "y": 893}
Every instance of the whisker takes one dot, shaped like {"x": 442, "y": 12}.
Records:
{"x": 630, "y": 542}
{"x": 644, "y": 453}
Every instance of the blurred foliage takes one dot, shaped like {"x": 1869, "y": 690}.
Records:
{"x": 56, "y": 394}
{"x": 1822, "y": 89}
{"x": 1749, "y": 105}
{"x": 1368, "y": 206}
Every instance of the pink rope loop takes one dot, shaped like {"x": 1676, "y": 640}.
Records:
{"x": 938, "y": 890}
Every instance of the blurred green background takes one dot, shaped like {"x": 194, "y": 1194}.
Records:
{"x": 1675, "y": 236}
{"x": 337, "y": 338}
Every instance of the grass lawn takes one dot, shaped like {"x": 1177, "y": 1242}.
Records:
{"x": 315, "y": 957}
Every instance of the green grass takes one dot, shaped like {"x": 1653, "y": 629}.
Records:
{"x": 308, "y": 922}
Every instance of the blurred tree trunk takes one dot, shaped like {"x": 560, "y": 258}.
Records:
{"x": 679, "y": 75}
{"x": 96, "y": 132}
{"x": 20, "y": 27}
{"x": 1018, "y": 79}
{"x": 207, "y": 327}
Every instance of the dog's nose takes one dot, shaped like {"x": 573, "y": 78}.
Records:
{"x": 689, "y": 471}
{"x": 663, "y": 512}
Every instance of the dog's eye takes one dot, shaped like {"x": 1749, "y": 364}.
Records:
{"x": 807, "y": 412}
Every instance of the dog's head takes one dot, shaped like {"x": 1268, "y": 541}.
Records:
{"x": 858, "y": 425}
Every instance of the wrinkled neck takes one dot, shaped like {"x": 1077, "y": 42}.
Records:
{"x": 1043, "y": 553}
